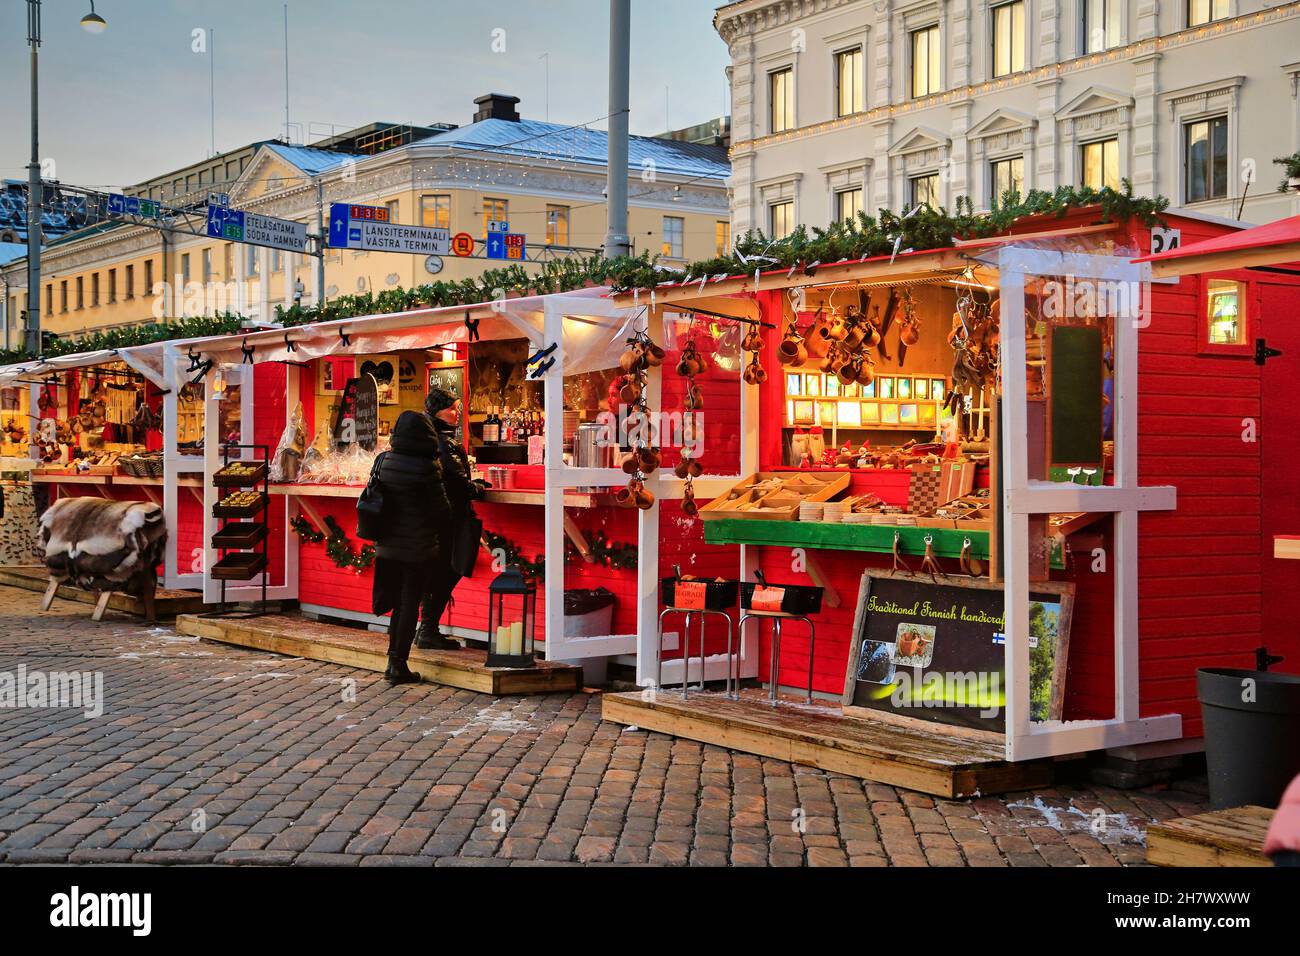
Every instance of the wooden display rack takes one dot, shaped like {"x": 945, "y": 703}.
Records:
{"x": 313, "y": 640}
{"x": 901, "y": 755}
{"x": 242, "y": 543}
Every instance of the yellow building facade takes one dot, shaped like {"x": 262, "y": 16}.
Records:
{"x": 547, "y": 181}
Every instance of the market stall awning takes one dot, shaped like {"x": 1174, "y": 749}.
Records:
{"x": 1270, "y": 245}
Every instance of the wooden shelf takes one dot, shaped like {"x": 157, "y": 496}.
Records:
{"x": 239, "y": 566}
{"x": 877, "y": 538}
{"x": 239, "y": 535}
{"x": 509, "y": 496}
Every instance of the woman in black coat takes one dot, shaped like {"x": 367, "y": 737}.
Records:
{"x": 413, "y": 535}
{"x": 444, "y": 409}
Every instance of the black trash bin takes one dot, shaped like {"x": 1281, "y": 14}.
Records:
{"x": 1252, "y": 748}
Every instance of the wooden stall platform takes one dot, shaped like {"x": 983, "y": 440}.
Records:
{"x": 167, "y": 602}
{"x": 820, "y": 736}
{"x": 297, "y": 636}
{"x": 1232, "y": 837}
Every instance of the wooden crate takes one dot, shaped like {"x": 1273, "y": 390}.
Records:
{"x": 721, "y": 507}
{"x": 1232, "y": 837}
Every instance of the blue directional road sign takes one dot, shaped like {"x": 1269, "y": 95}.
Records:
{"x": 236, "y": 225}
{"x": 369, "y": 227}
{"x": 506, "y": 245}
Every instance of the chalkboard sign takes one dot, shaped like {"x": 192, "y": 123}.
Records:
{"x": 357, "y": 418}
{"x": 366, "y": 412}
{"x": 450, "y": 377}
{"x": 935, "y": 651}
{"x": 1074, "y": 384}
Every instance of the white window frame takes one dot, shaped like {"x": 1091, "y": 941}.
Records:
{"x": 1125, "y": 500}
{"x": 771, "y": 103}
{"x": 910, "y": 60}
{"x": 1184, "y": 125}
{"x": 675, "y": 250}
{"x": 1119, "y": 158}
{"x": 861, "y": 50}
{"x": 1025, "y": 44}
{"x": 1121, "y": 29}
{"x": 771, "y": 217}
{"x": 992, "y": 175}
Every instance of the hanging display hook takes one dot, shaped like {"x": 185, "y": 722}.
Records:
{"x": 471, "y": 326}
{"x": 248, "y": 351}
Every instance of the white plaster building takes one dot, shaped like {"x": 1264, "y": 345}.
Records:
{"x": 846, "y": 104}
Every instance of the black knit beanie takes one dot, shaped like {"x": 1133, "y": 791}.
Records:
{"x": 437, "y": 400}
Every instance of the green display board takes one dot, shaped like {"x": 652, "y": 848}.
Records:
{"x": 1074, "y": 382}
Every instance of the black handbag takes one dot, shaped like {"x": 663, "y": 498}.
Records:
{"x": 370, "y": 505}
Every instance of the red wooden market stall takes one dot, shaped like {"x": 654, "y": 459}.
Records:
{"x": 1172, "y": 509}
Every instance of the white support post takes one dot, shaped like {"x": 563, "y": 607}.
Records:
{"x": 553, "y": 414}
{"x": 647, "y": 565}
{"x": 749, "y": 432}
{"x": 1124, "y": 500}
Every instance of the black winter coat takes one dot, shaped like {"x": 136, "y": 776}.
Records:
{"x": 416, "y": 510}
{"x": 461, "y": 489}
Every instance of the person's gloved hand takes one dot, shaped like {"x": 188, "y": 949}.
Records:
{"x": 480, "y": 487}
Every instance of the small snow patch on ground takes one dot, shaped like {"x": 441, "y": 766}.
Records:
{"x": 1108, "y": 828}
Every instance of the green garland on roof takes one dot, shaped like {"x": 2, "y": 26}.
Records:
{"x": 924, "y": 228}
{"x": 927, "y": 228}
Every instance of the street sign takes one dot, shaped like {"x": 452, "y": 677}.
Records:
{"x": 498, "y": 225}
{"x": 237, "y": 225}
{"x": 462, "y": 244}
{"x": 369, "y": 227}
{"x": 119, "y": 205}
{"x": 506, "y": 245}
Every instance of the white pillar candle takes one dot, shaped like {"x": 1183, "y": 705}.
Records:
{"x": 503, "y": 640}
{"x": 517, "y": 638}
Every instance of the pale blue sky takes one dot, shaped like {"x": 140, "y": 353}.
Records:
{"x": 132, "y": 102}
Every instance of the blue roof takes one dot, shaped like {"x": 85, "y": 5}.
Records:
{"x": 587, "y": 146}
{"x": 9, "y": 251}
{"x": 313, "y": 161}
{"x": 13, "y": 214}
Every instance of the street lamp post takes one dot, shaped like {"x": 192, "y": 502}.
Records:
{"x": 92, "y": 23}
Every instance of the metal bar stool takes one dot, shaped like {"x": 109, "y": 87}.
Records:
{"x": 777, "y": 617}
{"x": 686, "y": 649}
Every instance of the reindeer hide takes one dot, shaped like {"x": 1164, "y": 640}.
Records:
{"x": 103, "y": 545}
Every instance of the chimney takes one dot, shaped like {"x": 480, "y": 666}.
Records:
{"x": 496, "y": 106}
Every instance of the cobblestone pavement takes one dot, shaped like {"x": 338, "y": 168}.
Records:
{"x": 207, "y": 753}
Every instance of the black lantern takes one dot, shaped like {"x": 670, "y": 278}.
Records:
{"x": 512, "y": 618}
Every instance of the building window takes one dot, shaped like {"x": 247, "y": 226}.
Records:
{"x": 848, "y": 82}
{"x": 1101, "y": 24}
{"x": 207, "y": 265}
{"x": 495, "y": 210}
{"x": 925, "y": 61}
{"x": 1009, "y": 38}
{"x": 435, "y": 212}
{"x": 781, "y": 218}
{"x": 277, "y": 260}
{"x": 81, "y": 293}
{"x": 674, "y": 236}
{"x": 925, "y": 189}
{"x": 130, "y": 281}
{"x": 252, "y": 262}
{"x": 1205, "y": 11}
{"x": 557, "y": 225}
{"x": 112, "y": 286}
{"x": 392, "y": 208}
{"x": 848, "y": 203}
{"x": 63, "y": 296}
{"x": 185, "y": 269}
{"x": 1225, "y": 312}
{"x": 1205, "y": 155}
{"x": 722, "y": 237}
{"x": 1101, "y": 164}
{"x": 1007, "y": 175}
{"x": 780, "y": 87}
{"x": 49, "y": 299}
{"x": 94, "y": 290}
{"x": 148, "y": 277}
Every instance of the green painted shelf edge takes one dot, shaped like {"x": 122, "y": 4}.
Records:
{"x": 842, "y": 537}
